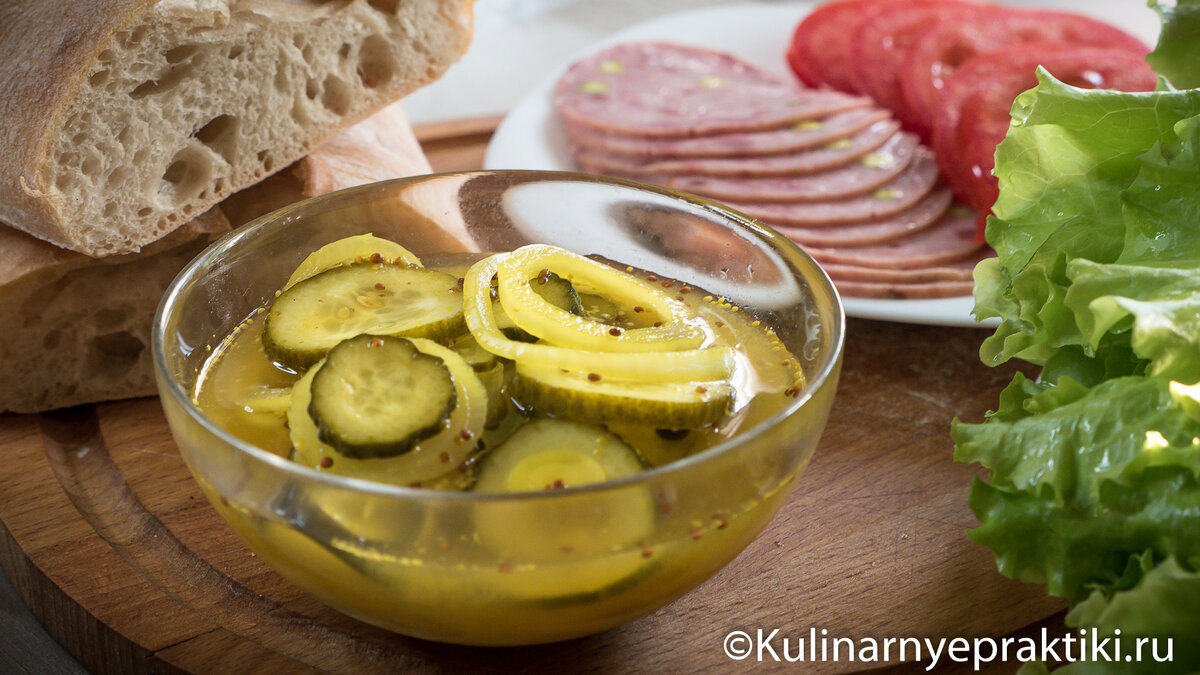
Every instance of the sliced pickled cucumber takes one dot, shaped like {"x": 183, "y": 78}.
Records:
{"x": 553, "y": 454}
{"x": 268, "y": 400}
{"x": 360, "y": 248}
{"x": 430, "y": 459}
{"x": 308, "y": 319}
{"x": 558, "y": 292}
{"x": 663, "y": 446}
{"x": 575, "y": 580}
{"x": 555, "y": 290}
{"x": 582, "y": 546}
{"x": 479, "y": 358}
{"x": 377, "y": 396}
{"x": 585, "y": 396}
{"x": 601, "y": 309}
{"x": 493, "y": 380}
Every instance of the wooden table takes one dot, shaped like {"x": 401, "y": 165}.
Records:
{"x": 109, "y": 542}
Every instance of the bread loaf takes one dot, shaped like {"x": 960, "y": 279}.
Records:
{"x": 120, "y": 120}
{"x": 77, "y": 329}
{"x": 379, "y": 148}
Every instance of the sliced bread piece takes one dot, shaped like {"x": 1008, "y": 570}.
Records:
{"x": 120, "y": 120}
{"x": 78, "y": 328}
{"x": 382, "y": 146}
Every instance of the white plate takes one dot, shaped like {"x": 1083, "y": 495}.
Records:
{"x": 531, "y": 135}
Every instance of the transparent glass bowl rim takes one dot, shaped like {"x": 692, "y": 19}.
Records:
{"x": 217, "y": 249}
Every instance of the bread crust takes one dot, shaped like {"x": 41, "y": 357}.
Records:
{"x": 50, "y": 51}
{"x": 45, "y": 49}
{"x": 79, "y": 327}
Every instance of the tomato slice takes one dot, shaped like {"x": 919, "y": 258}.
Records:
{"x": 820, "y": 50}
{"x": 946, "y": 44}
{"x": 983, "y": 91}
{"x": 977, "y": 73}
{"x": 880, "y": 43}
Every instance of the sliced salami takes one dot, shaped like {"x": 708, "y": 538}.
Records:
{"x": 871, "y": 171}
{"x": 951, "y": 239}
{"x": 800, "y": 136}
{"x": 790, "y": 164}
{"x": 668, "y": 90}
{"x": 923, "y": 290}
{"x": 901, "y": 194}
{"x": 961, "y": 270}
{"x": 923, "y": 215}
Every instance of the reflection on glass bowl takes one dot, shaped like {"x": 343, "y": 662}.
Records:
{"x": 505, "y": 569}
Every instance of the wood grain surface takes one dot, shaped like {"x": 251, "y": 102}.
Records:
{"x": 108, "y": 540}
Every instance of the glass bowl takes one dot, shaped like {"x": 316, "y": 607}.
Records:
{"x": 505, "y": 569}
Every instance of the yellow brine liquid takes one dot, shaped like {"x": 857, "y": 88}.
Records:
{"x": 504, "y": 571}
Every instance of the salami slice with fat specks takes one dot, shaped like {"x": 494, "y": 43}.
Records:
{"x": 799, "y": 136}
{"x": 938, "y": 281}
{"x": 961, "y": 270}
{"x": 901, "y": 194}
{"x": 870, "y": 172}
{"x": 923, "y": 290}
{"x": 923, "y": 215}
{"x": 668, "y": 90}
{"x": 951, "y": 239}
{"x": 791, "y": 164}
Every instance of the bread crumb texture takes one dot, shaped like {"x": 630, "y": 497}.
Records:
{"x": 195, "y": 99}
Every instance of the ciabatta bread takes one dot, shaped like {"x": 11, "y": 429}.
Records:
{"x": 120, "y": 120}
{"x": 77, "y": 329}
{"x": 381, "y": 147}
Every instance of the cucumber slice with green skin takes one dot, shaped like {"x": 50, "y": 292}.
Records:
{"x": 268, "y": 400}
{"x": 310, "y": 318}
{"x": 493, "y": 380}
{"x": 578, "y": 548}
{"x": 552, "y": 454}
{"x": 431, "y": 458}
{"x": 378, "y": 396}
{"x": 361, "y": 248}
{"x": 583, "y": 396}
{"x": 553, "y": 289}
{"x": 558, "y": 292}
{"x": 579, "y": 582}
{"x": 479, "y": 358}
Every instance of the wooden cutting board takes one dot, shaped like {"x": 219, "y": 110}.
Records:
{"x": 110, "y": 543}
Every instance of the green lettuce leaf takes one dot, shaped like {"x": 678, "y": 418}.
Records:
{"x": 1082, "y": 176}
{"x": 1177, "y": 55}
{"x": 1095, "y": 467}
{"x": 1062, "y": 443}
{"x": 1084, "y": 478}
{"x": 1155, "y": 599}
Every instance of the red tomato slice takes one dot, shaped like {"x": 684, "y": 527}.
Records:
{"x": 983, "y": 112}
{"x": 819, "y": 52}
{"x": 975, "y": 74}
{"x": 943, "y": 46}
{"x": 881, "y": 42}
